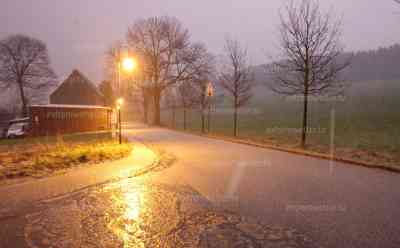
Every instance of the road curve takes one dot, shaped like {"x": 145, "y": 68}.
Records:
{"x": 335, "y": 204}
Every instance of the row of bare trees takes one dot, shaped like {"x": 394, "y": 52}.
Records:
{"x": 174, "y": 67}
{"x": 309, "y": 63}
{"x": 167, "y": 58}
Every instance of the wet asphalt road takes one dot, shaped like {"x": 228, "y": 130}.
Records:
{"x": 335, "y": 204}
{"x": 118, "y": 205}
{"x": 217, "y": 194}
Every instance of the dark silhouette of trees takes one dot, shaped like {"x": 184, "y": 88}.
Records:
{"x": 24, "y": 63}
{"x": 236, "y": 77}
{"x": 377, "y": 64}
{"x": 106, "y": 88}
{"x": 112, "y": 58}
{"x": 369, "y": 65}
{"x": 310, "y": 46}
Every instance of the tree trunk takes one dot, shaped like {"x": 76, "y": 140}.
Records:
{"x": 145, "y": 116}
{"x": 209, "y": 117}
{"x": 157, "y": 112}
{"x": 24, "y": 109}
{"x": 184, "y": 118}
{"x": 203, "y": 128}
{"x": 235, "y": 119}
{"x": 305, "y": 112}
{"x": 173, "y": 124}
{"x": 145, "y": 111}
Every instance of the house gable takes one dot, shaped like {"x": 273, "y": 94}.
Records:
{"x": 77, "y": 90}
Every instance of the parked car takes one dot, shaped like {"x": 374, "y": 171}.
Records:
{"x": 17, "y": 130}
{"x": 3, "y": 130}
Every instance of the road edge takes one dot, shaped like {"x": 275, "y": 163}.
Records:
{"x": 290, "y": 150}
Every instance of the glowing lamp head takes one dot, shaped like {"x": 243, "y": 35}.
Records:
{"x": 210, "y": 90}
{"x": 128, "y": 64}
{"x": 120, "y": 101}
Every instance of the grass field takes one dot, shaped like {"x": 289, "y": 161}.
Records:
{"x": 48, "y": 140}
{"x": 45, "y": 155}
{"x": 366, "y": 122}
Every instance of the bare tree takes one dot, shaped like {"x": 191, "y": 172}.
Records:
{"x": 310, "y": 63}
{"x": 106, "y": 88}
{"x": 166, "y": 53}
{"x": 113, "y": 56}
{"x": 200, "y": 81}
{"x": 111, "y": 59}
{"x": 171, "y": 102}
{"x": 135, "y": 86}
{"x": 203, "y": 100}
{"x": 186, "y": 93}
{"x": 24, "y": 63}
{"x": 146, "y": 101}
{"x": 236, "y": 77}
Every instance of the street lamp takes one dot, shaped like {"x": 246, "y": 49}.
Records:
{"x": 210, "y": 94}
{"x": 120, "y": 101}
{"x": 127, "y": 64}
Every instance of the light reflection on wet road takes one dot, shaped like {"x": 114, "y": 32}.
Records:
{"x": 136, "y": 213}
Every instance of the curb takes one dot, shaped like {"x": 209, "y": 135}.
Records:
{"x": 293, "y": 151}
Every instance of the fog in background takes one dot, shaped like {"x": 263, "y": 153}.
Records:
{"x": 78, "y": 32}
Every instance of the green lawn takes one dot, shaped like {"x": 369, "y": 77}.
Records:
{"x": 367, "y": 122}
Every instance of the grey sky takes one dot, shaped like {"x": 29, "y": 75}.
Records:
{"x": 77, "y": 32}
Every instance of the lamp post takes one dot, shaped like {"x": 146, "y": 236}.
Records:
{"x": 120, "y": 101}
{"x": 127, "y": 64}
{"x": 210, "y": 94}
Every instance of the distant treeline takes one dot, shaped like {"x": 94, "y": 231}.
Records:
{"x": 379, "y": 64}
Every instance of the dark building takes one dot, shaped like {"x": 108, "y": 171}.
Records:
{"x": 77, "y": 90}
{"x": 56, "y": 119}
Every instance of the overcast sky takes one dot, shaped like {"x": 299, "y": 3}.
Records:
{"x": 78, "y": 32}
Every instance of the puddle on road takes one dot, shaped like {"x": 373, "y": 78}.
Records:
{"x": 136, "y": 213}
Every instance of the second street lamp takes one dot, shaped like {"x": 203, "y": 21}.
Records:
{"x": 120, "y": 101}
{"x": 210, "y": 94}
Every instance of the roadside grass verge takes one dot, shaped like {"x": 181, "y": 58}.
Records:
{"x": 361, "y": 136}
{"x": 43, "y": 156}
{"x": 6, "y": 144}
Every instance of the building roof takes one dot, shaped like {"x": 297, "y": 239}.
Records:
{"x": 69, "y": 106}
{"x": 77, "y": 76}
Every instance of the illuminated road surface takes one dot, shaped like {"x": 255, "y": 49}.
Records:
{"x": 119, "y": 205}
{"x": 217, "y": 194}
{"x": 337, "y": 205}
